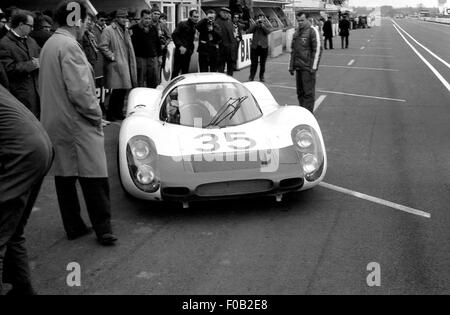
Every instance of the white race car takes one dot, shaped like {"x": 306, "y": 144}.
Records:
{"x": 208, "y": 136}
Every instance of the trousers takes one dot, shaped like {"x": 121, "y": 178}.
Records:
{"x": 306, "y": 88}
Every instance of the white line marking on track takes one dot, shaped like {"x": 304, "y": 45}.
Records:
{"x": 363, "y": 47}
{"x": 345, "y": 67}
{"x": 433, "y": 69}
{"x": 342, "y": 93}
{"x": 429, "y": 51}
{"x": 319, "y": 101}
{"x": 376, "y": 200}
{"x": 351, "y": 62}
{"x": 35, "y": 209}
{"x": 368, "y": 40}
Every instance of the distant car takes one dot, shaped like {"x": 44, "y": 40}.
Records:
{"x": 208, "y": 136}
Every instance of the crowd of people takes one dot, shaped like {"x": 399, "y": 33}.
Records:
{"x": 50, "y": 113}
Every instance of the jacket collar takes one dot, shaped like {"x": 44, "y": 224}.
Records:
{"x": 65, "y": 32}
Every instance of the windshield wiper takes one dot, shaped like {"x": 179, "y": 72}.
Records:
{"x": 235, "y": 104}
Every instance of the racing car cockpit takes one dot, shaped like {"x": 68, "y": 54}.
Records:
{"x": 210, "y": 105}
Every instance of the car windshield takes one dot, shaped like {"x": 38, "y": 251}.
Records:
{"x": 210, "y": 105}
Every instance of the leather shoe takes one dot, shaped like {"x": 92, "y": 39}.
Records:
{"x": 107, "y": 239}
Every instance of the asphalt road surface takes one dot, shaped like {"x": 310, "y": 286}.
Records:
{"x": 385, "y": 116}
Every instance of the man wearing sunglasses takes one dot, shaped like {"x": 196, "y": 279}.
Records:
{"x": 20, "y": 58}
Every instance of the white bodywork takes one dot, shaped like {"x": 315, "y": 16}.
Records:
{"x": 272, "y": 131}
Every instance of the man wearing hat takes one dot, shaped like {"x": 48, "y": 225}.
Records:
{"x": 228, "y": 44}
{"x": 120, "y": 70}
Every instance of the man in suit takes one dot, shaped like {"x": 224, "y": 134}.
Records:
{"x": 20, "y": 58}
{"x": 328, "y": 33}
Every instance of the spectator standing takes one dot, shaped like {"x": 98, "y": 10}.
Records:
{"x": 165, "y": 38}
{"x": 90, "y": 47}
{"x": 238, "y": 28}
{"x": 120, "y": 59}
{"x": 25, "y": 158}
{"x": 20, "y": 57}
{"x": 228, "y": 44}
{"x": 147, "y": 47}
{"x": 305, "y": 57}
{"x": 208, "y": 46}
{"x": 42, "y": 29}
{"x": 100, "y": 25}
{"x": 344, "y": 31}
{"x": 328, "y": 32}
{"x": 183, "y": 37}
{"x": 73, "y": 119}
{"x": 259, "y": 47}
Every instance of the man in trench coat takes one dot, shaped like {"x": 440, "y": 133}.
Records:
{"x": 25, "y": 158}
{"x": 72, "y": 116}
{"x": 120, "y": 63}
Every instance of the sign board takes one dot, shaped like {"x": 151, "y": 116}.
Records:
{"x": 243, "y": 57}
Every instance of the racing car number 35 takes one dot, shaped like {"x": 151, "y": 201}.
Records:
{"x": 233, "y": 140}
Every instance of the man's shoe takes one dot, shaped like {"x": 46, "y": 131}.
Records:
{"x": 78, "y": 234}
{"x": 107, "y": 239}
{"x": 251, "y": 79}
{"x": 262, "y": 79}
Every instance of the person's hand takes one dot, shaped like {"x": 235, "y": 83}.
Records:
{"x": 312, "y": 71}
{"x": 291, "y": 72}
{"x": 35, "y": 62}
{"x": 183, "y": 50}
{"x": 160, "y": 60}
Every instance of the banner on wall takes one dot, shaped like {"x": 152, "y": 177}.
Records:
{"x": 243, "y": 57}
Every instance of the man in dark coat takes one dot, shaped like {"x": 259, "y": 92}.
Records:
{"x": 42, "y": 29}
{"x": 305, "y": 58}
{"x": 209, "y": 39}
{"x": 20, "y": 57}
{"x": 183, "y": 37}
{"x": 25, "y": 158}
{"x": 260, "y": 47}
{"x": 344, "y": 31}
{"x": 328, "y": 33}
{"x": 228, "y": 43}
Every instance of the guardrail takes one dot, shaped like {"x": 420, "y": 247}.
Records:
{"x": 436, "y": 20}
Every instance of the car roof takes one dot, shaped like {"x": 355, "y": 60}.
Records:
{"x": 205, "y": 77}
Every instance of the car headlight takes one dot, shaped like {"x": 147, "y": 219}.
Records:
{"x": 140, "y": 149}
{"x": 310, "y": 163}
{"x": 304, "y": 139}
{"x": 142, "y": 161}
{"x": 309, "y": 150}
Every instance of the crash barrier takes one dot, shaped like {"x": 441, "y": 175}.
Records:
{"x": 275, "y": 43}
{"x": 437, "y": 20}
{"x": 100, "y": 90}
{"x": 289, "y": 34}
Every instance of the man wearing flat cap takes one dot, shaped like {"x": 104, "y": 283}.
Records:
{"x": 228, "y": 44}
{"x": 120, "y": 72}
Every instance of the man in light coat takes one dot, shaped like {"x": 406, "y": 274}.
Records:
{"x": 73, "y": 119}
{"x": 120, "y": 71}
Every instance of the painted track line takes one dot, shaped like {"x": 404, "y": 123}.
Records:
{"x": 342, "y": 93}
{"x": 376, "y": 200}
{"x": 433, "y": 69}
{"x": 429, "y": 51}
{"x": 351, "y": 62}
{"x": 319, "y": 101}
{"x": 344, "y": 67}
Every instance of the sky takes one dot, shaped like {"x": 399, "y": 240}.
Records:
{"x": 395, "y": 3}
